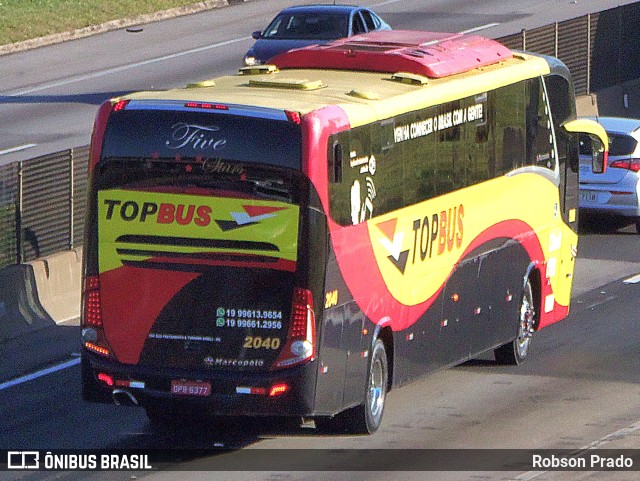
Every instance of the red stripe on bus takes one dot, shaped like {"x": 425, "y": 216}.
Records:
{"x": 359, "y": 268}
{"x": 132, "y": 299}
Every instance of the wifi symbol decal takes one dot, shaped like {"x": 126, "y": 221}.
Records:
{"x": 371, "y": 189}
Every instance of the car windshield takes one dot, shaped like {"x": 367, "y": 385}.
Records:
{"x": 321, "y": 26}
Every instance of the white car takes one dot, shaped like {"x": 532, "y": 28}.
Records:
{"x": 617, "y": 191}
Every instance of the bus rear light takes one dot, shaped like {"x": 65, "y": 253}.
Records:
{"x": 251, "y": 390}
{"x": 93, "y": 337}
{"x": 128, "y": 383}
{"x": 92, "y": 303}
{"x": 206, "y": 105}
{"x": 93, "y": 312}
{"x": 293, "y": 116}
{"x": 278, "y": 389}
{"x": 105, "y": 378}
{"x": 120, "y": 105}
{"x": 301, "y": 339}
{"x": 97, "y": 349}
{"x": 111, "y": 381}
{"x": 628, "y": 164}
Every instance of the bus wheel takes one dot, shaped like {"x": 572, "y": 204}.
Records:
{"x": 515, "y": 352}
{"x": 367, "y": 417}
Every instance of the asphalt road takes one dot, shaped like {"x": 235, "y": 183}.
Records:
{"x": 579, "y": 387}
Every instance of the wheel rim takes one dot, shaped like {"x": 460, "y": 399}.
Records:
{"x": 376, "y": 389}
{"x": 526, "y": 324}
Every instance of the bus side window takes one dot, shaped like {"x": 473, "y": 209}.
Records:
{"x": 335, "y": 164}
{"x": 386, "y": 136}
{"x": 540, "y": 145}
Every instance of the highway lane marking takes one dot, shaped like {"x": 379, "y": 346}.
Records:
{"x": 122, "y": 68}
{"x": 17, "y": 149}
{"x": 471, "y": 30}
{"x": 110, "y": 71}
{"x": 596, "y": 304}
{"x": 619, "y": 434}
{"x": 37, "y": 374}
{"x": 376, "y": 5}
{"x": 481, "y": 27}
{"x": 632, "y": 280}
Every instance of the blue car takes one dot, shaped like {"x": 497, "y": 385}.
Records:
{"x": 297, "y": 27}
{"x": 617, "y": 191}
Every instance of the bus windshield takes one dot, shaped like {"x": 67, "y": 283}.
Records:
{"x": 202, "y": 135}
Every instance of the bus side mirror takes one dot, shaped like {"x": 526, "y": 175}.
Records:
{"x": 599, "y": 141}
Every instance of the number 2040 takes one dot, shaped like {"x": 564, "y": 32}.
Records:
{"x": 258, "y": 342}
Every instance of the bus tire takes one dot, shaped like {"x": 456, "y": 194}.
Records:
{"x": 515, "y": 352}
{"x": 366, "y": 417}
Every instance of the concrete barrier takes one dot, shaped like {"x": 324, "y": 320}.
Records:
{"x": 20, "y": 309}
{"x": 621, "y": 100}
{"x": 58, "y": 280}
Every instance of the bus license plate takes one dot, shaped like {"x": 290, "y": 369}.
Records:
{"x": 589, "y": 196}
{"x": 190, "y": 388}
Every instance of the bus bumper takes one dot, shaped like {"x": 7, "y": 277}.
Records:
{"x": 286, "y": 392}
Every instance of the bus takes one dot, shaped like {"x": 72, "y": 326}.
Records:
{"x": 300, "y": 238}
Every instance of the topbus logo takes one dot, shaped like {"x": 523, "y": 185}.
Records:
{"x": 435, "y": 234}
{"x": 23, "y": 460}
{"x": 186, "y": 214}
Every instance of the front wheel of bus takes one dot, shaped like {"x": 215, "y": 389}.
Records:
{"x": 515, "y": 352}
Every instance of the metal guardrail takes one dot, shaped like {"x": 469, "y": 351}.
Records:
{"x": 42, "y": 205}
{"x": 42, "y": 200}
{"x": 600, "y": 49}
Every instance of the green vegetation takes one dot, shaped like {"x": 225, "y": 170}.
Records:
{"x": 27, "y": 19}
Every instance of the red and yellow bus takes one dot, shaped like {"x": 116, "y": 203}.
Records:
{"x": 298, "y": 239}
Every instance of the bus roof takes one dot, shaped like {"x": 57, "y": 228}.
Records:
{"x": 306, "y": 85}
{"x": 431, "y": 54}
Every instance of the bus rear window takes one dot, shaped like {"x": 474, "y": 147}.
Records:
{"x": 202, "y": 135}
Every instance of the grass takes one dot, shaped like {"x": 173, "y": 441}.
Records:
{"x": 27, "y": 19}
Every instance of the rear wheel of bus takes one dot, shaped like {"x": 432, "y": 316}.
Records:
{"x": 366, "y": 417}
{"x": 515, "y": 352}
